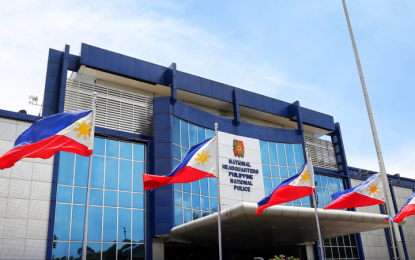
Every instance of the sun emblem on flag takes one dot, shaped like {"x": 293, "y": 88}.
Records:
{"x": 238, "y": 148}
{"x": 203, "y": 157}
{"x": 83, "y": 129}
{"x": 374, "y": 189}
{"x": 305, "y": 177}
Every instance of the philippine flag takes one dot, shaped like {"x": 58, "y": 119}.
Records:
{"x": 199, "y": 162}
{"x": 408, "y": 209}
{"x": 293, "y": 188}
{"x": 70, "y": 132}
{"x": 368, "y": 193}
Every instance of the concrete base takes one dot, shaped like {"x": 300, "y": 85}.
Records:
{"x": 158, "y": 249}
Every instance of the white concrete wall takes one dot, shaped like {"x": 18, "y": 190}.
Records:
{"x": 25, "y": 191}
{"x": 401, "y": 196}
{"x": 374, "y": 242}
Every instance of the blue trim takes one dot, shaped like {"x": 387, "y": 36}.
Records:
{"x": 18, "y": 116}
{"x": 388, "y": 241}
{"x": 236, "y": 113}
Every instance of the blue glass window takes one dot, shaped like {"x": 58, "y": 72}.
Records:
{"x": 94, "y": 223}
{"x": 112, "y": 148}
{"x": 326, "y": 196}
{"x": 196, "y": 201}
{"x": 111, "y": 174}
{"x": 284, "y": 172}
{"x": 205, "y": 203}
{"x": 178, "y": 216}
{"x": 184, "y": 152}
{"x": 60, "y": 251}
{"x": 66, "y": 167}
{"x": 266, "y": 171}
{"x": 275, "y": 172}
{"x": 264, "y": 152}
{"x": 177, "y": 198}
{"x": 276, "y": 182}
{"x": 323, "y": 181}
{"x": 204, "y": 187}
{"x": 96, "y": 251}
{"x": 75, "y": 248}
{"x": 138, "y": 177}
{"x": 209, "y": 133}
{"x": 192, "y": 134}
{"x": 125, "y": 175}
{"x": 176, "y": 152}
{"x": 126, "y": 150}
{"x": 138, "y": 200}
{"x": 79, "y": 196}
{"x": 95, "y": 197}
{"x": 186, "y": 187}
{"x": 281, "y": 154}
{"x": 139, "y": 153}
{"x": 196, "y": 214}
{"x": 213, "y": 204}
{"x": 110, "y": 225}
{"x": 292, "y": 171}
{"x": 177, "y": 186}
{"x": 213, "y": 190}
{"x": 62, "y": 221}
{"x": 176, "y": 131}
{"x": 108, "y": 251}
{"x": 273, "y": 154}
{"x": 330, "y": 182}
{"x": 290, "y": 154}
{"x": 187, "y": 200}
{"x": 201, "y": 134}
{"x": 299, "y": 156}
{"x": 138, "y": 226}
{"x": 125, "y": 199}
{"x": 97, "y": 172}
{"x": 81, "y": 170}
{"x": 99, "y": 146}
{"x": 187, "y": 215}
{"x": 78, "y": 218}
{"x": 267, "y": 185}
{"x": 124, "y": 225}
{"x": 195, "y": 187}
{"x": 184, "y": 134}
{"x": 64, "y": 194}
{"x": 110, "y": 198}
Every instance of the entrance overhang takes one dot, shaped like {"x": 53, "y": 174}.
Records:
{"x": 277, "y": 226}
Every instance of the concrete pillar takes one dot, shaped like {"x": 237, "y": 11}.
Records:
{"x": 158, "y": 249}
{"x": 310, "y": 251}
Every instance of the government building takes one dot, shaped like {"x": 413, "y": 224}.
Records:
{"x": 148, "y": 116}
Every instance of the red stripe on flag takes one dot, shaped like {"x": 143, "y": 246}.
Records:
{"x": 285, "y": 194}
{"x": 353, "y": 200}
{"x": 407, "y": 211}
{"x": 185, "y": 175}
{"x": 43, "y": 149}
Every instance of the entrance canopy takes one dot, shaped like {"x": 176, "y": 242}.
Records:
{"x": 277, "y": 226}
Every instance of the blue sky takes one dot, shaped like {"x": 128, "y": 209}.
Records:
{"x": 290, "y": 50}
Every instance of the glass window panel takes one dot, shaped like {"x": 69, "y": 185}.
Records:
{"x": 66, "y": 167}
{"x": 177, "y": 186}
{"x": 79, "y": 196}
{"x": 175, "y": 164}
{"x": 275, "y": 171}
{"x": 97, "y": 172}
{"x": 193, "y": 134}
{"x": 186, "y": 187}
{"x": 176, "y": 152}
{"x": 78, "y": 218}
{"x": 94, "y": 251}
{"x": 320, "y": 199}
{"x": 326, "y": 242}
{"x": 138, "y": 226}
{"x": 205, "y": 203}
{"x": 110, "y": 225}
{"x": 110, "y": 198}
{"x": 204, "y": 189}
{"x": 196, "y": 214}
{"x": 276, "y": 182}
{"x": 317, "y": 180}
{"x": 108, "y": 251}
{"x": 196, "y": 202}
{"x": 81, "y": 170}
{"x": 354, "y": 252}
{"x": 336, "y": 183}
{"x": 187, "y": 203}
{"x": 342, "y": 252}
{"x": 328, "y": 252}
{"x": 125, "y": 175}
{"x": 184, "y": 134}
{"x": 209, "y": 133}
{"x": 290, "y": 154}
{"x": 139, "y": 152}
{"x": 176, "y": 131}
{"x": 299, "y": 156}
{"x": 330, "y": 182}
{"x": 94, "y": 223}
{"x": 138, "y": 170}
{"x": 178, "y": 216}
{"x": 284, "y": 172}
{"x": 99, "y": 146}
{"x": 273, "y": 154}
{"x": 346, "y": 240}
{"x": 267, "y": 185}
{"x": 112, "y": 148}
{"x": 266, "y": 171}
{"x": 177, "y": 198}
{"x": 341, "y": 184}
{"x": 213, "y": 205}
{"x": 326, "y": 196}
{"x": 353, "y": 240}
{"x": 292, "y": 171}
{"x": 323, "y": 181}
{"x": 348, "y": 252}
{"x": 95, "y": 197}
{"x": 60, "y": 251}
{"x": 333, "y": 241}
{"x": 264, "y": 152}
{"x": 200, "y": 134}
{"x": 305, "y": 201}
{"x": 111, "y": 174}
{"x": 213, "y": 189}
{"x": 187, "y": 215}
{"x": 340, "y": 241}
{"x": 195, "y": 187}
{"x": 124, "y": 200}
{"x": 184, "y": 152}
{"x": 297, "y": 202}
{"x": 62, "y": 221}
{"x": 335, "y": 251}
{"x": 126, "y": 150}
{"x": 123, "y": 251}
{"x": 124, "y": 225}
{"x": 281, "y": 154}
{"x": 138, "y": 201}
{"x": 205, "y": 213}
{"x": 64, "y": 194}
{"x": 76, "y": 251}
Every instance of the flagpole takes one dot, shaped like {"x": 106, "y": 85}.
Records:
{"x": 310, "y": 166}
{"x": 84, "y": 241}
{"x": 218, "y": 187}
{"x": 374, "y": 131}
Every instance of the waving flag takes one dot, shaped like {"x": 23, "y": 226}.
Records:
{"x": 199, "y": 162}
{"x": 293, "y": 188}
{"x": 368, "y": 193}
{"x": 408, "y": 209}
{"x": 69, "y": 132}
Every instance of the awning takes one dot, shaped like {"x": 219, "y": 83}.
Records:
{"x": 277, "y": 226}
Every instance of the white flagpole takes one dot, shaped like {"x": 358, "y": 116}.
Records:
{"x": 374, "y": 131}
{"x": 218, "y": 187}
{"x": 84, "y": 241}
{"x": 311, "y": 169}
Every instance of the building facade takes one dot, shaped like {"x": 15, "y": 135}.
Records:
{"x": 148, "y": 117}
